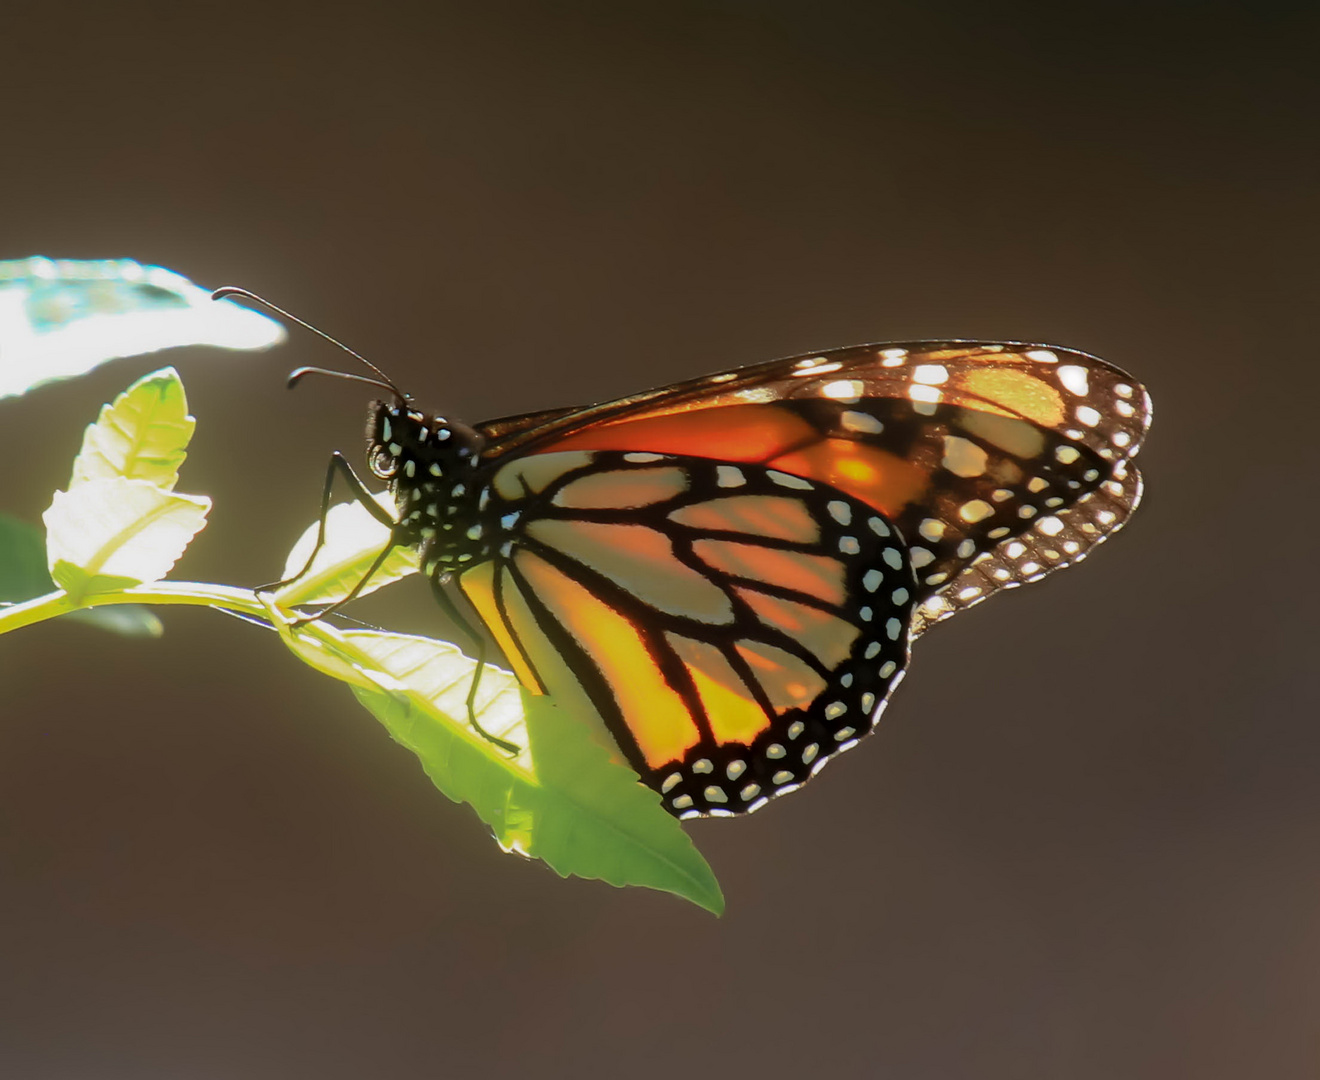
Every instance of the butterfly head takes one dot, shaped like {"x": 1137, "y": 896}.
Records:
{"x": 411, "y": 448}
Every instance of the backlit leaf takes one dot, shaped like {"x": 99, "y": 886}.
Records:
{"x": 564, "y": 798}
{"x": 142, "y": 435}
{"x": 353, "y": 541}
{"x": 111, "y": 534}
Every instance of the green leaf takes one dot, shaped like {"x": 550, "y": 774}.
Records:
{"x": 23, "y": 572}
{"x": 143, "y": 435}
{"x": 353, "y": 540}
{"x": 23, "y": 576}
{"x": 109, "y": 535}
{"x": 62, "y": 317}
{"x": 120, "y": 524}
{"x": 564, "y": 799}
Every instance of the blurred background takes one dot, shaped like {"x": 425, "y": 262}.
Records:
{"x": 1084, "y": 843}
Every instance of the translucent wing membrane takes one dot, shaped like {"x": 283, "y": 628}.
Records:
{"x": 733, "y": 626}
{"x": 1056, "y": 539}
{"x": 998, "y": 463}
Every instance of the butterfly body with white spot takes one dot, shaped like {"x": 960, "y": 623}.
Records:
{"x": 433, "y": 467}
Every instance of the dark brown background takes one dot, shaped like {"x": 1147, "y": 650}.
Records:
{"x": 1085, "y": 843}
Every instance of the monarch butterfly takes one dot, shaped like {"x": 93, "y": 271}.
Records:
{"x": 729, "y": 572}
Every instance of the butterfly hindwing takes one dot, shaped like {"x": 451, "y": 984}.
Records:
{"x": 732, "y": 625}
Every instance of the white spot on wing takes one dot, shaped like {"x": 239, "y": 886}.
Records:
{"x": 924, "y": 398}
{"x": 816, "y": 365}
{"x": 1073, "y": 378}
{"x": 974, "y": 510}
{"x": 860, "y": 422}
{"x": 845, "y": 390}
{"x": 788, "y": 480}
{"x": 962, "y": 457}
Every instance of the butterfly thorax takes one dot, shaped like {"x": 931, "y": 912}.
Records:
{"x": 433, "y": 466}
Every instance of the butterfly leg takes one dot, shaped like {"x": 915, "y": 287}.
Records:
{"x": 353, "y": 593}
{"x": 338, "y": 466}
{"x": 479, "y": 646}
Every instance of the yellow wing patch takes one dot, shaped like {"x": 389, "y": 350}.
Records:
{"x": 730, "y": 711}
{"x": 1013, "y": 392}
{"x": 618, "y": 651}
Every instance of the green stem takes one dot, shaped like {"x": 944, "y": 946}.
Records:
{"x": 314, "y": 643}
{"x": 197, "y": 594}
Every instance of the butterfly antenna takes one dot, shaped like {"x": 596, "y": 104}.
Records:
{"x": 384, "y": 381}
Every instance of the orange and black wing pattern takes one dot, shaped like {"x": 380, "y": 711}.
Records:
{"x": 997, "y": 462}
{"x": 734, "y": 626}
{"x": 728, "y": 572}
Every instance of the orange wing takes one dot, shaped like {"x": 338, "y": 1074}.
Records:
{"x": 998, "y": 463}
{"x": 733, "y": 626}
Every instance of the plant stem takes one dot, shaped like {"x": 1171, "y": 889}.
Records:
{"x": 197, "y": 594}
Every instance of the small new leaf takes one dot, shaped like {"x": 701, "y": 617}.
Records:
{"x": 142, "y": 435}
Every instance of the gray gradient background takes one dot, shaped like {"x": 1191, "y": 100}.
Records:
{"x": 1084, "y": 844}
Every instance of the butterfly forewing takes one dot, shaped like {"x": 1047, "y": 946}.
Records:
{"x": 997, "y": 462}
{"x": 733, "y": 626}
